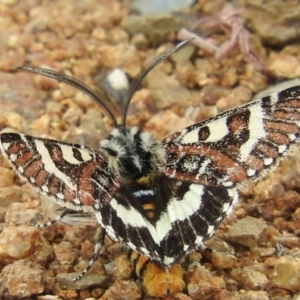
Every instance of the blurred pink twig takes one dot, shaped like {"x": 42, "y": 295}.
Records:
{"x": 228, "y": 20}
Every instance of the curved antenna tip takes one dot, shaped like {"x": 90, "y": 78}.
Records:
{"x": 144, "y": 71}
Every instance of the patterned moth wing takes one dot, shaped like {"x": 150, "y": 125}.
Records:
{"x": 237, "y": 145}
{"x": 224, "y": 152}
{"x": 72, "y": 175}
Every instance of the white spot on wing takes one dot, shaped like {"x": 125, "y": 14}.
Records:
{"x": 210, "y": 230}
{"x": 186, "y": 247}
{"x": 203, "y": 168}
{"x": 251, "y": 172}
{"x": 77, "y": 201}
{"x": 5, "y": 146}
{"x": 268, "y": 161}
{"x": 145, "y": 251}
{"x": 234, "y": 195}
{"x": 13, "y": 157}
{"x": 168, "y": 260}
{"x": 68, "y": 155}
{"x": 199, "y": 240}
{"x": 60, "y": 196}
{"x": 218, "y": 129}
{"x": 226, "y": 183}
{"x": 282, "y": 148}
{"x": 292, "y": 137}
{"x": 131, "y": 246}
{"x": 274, "y": 98}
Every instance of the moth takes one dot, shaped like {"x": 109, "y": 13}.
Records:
{"x": 162, "y": 199}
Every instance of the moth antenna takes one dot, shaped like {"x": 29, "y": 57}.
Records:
{"x": 74, "y": 82}
{"x": 143, "y": 72}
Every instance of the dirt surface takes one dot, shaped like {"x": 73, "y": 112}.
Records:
{"x": 257, "y": 247}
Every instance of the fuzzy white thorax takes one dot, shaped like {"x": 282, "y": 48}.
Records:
{"x": 130, "y": 144}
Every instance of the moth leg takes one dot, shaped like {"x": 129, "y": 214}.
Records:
{"x": 57, "y": 219}
{"x": 98, "y": 246}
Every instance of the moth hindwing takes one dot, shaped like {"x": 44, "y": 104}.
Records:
{"x": 161, "y": 199}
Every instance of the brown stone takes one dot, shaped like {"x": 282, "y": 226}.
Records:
{"x": 246, "y": 232}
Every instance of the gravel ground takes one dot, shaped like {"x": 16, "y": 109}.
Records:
{"x": 257, "y": 247}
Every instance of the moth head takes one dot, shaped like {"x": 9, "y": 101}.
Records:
{"x": 132, "y": 153}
